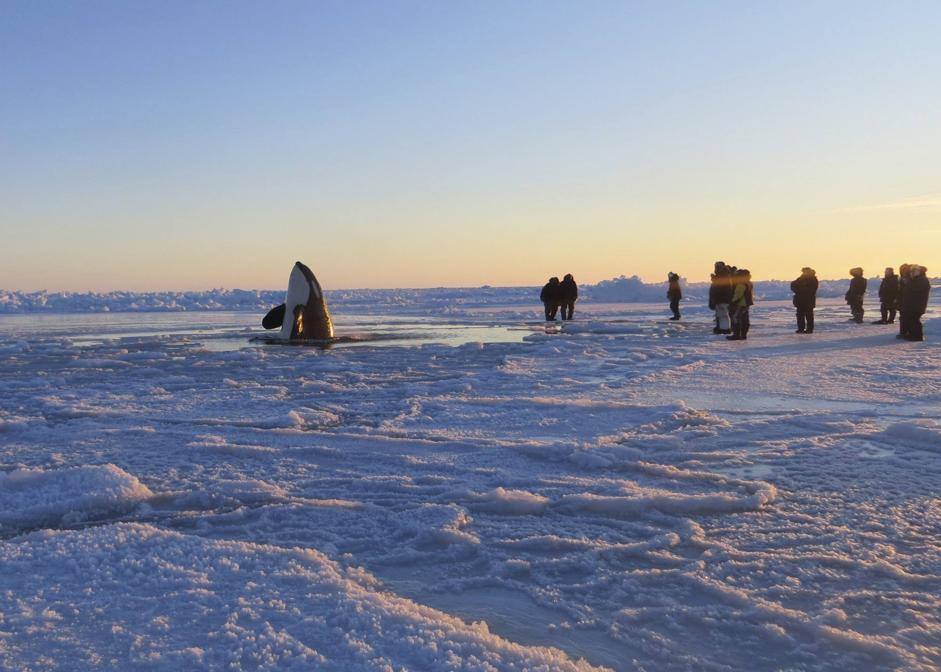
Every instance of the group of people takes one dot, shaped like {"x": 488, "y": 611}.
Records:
{"x": 556, "y": 295}
{"x": 905, "y": 294}
{"x": 731, "y": 295}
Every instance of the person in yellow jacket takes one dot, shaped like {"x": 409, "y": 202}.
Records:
{"x": 742, "y": 299}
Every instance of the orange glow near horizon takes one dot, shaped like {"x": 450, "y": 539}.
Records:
{"x": 503, "y": 252}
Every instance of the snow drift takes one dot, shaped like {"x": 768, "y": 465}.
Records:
{"x": 163, "y": 600}
{"x": 30, "y": 497}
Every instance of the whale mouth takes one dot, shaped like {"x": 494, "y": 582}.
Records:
{"x": 297, "y": 331}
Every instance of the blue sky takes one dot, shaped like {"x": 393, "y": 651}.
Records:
{"x": 193, "y": 145}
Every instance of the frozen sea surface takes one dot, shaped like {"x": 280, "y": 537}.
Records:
{"x": 234, "y": 330}
{"x": 472, "y": 492}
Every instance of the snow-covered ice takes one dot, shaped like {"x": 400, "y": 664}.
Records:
{"x": 68, "y": 494}
{"x": 436, "y": 301}
{"x": 470, "y": 492}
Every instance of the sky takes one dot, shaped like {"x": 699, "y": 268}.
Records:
{"x": 194, "y": 145}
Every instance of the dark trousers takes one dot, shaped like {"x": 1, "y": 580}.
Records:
{"x": 741, "y": 322}
{"x": 568, "y": 308}
{"x": 888, "y": 312}
{"x": 551, "y": 309}
{"x": 910, "y": 327}
{"x": 856, "y": 307}
{"x": 675, "y": 307}
{"x": 805, "y": 319}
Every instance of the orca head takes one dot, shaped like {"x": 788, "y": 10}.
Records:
{"x": 304, "y": 314}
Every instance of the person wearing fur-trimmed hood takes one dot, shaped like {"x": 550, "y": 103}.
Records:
{"x": 915, "y": 303}
{"x": 888, "y": 292}
{"x": 742, "y": 300}
{"x": 674, "y": 293}
{"x": 568, "y": 295}
{"x": 905, "y": 278}
{"x": 855, "y": 294}
{"x": 720, "y": 296}
{"x": 551, "y": 297}
{"x": 805, "y": 299}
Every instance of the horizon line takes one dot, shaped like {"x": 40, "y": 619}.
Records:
{"x": 364, "y": 289}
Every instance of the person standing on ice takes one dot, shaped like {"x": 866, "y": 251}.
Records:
{"x": 712, "y": 302}
{"x": 742, "y": 300}
{"x": 805, "y": 299}
{"x": 674, "y": 293}
{"x": 550, "y": 297}
{"x": 720, "y": 296}
{"x": 855, "y": 294}
{"x": 888, "y": 292}
{"x": 568, "y": 292}
{"x": 905, "y": 279}
{"x": 915, "y": 302}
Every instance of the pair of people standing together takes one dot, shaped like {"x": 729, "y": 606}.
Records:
{"x": 907, "y": 295}
{"x": 556, "y": 294}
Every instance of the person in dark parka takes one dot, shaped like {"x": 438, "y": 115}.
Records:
{"x": 888, "y": 293}
{"x": 674, "y": 293}
{"x": 915, "y": 302}
{"x": 805, "y": 299}
{"x": 905, "y": 279}
{"x": 720, "y": 296}
{"x": 568, "y": 292}
{"x": 855, "y": 294}
{"x": 551, "y": 297}
{"x": 712, "y": 301}
{"x": 742, "y": 300}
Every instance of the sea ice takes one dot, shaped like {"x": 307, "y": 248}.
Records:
{"x": 624, "y": 490}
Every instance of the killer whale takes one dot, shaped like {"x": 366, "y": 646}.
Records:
{"x": 303, "y": 316}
